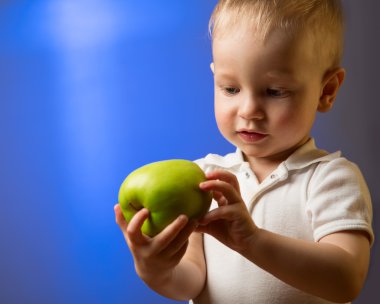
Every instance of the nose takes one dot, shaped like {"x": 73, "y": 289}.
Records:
{"x": 250, "y": 108}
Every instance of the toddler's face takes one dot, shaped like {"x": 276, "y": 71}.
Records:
{"x": 266, "y": 93}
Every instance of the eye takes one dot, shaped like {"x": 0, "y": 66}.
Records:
{"x": 277, "y": 92}
{"x": 231, "y": 91}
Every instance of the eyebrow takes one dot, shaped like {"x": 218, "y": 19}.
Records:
{"x": 272, "y": 75}
{"x": 281, "y": 74}
{"x": 224, "y": 75}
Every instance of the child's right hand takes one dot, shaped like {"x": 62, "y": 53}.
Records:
{"x": 155, "y": 258}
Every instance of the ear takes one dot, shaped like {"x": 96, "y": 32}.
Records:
{"x": 330, "y": 87}
{"x": 212, "y": 67}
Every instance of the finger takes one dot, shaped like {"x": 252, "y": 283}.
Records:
{"x": 225, "y": 176}
{"x": 222, "y": 213}
{"x": 219, "y": 197}
{"x": 133, "y": 231}
{"x": 165, "y": 237}
{"x": 228, "y": 191}
{"x": 203, "y": 229}
{"x": 177, "y": 256}
{"x": 119, "y": 217}
{"x": 182, "y": 237}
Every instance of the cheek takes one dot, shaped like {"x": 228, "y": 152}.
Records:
{"x": 294, "y": 121}
{"x": 223, "y": 115}
{"x": 287, "y": 124}
{"x": 284, "y": 117}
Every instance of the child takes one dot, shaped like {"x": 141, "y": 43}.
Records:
{"x": 291, "y": 223}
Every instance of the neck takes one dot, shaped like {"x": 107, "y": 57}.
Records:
{"x": 264, "y": 166}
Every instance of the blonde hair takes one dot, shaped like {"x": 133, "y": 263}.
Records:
{"x": 321, "y": 18}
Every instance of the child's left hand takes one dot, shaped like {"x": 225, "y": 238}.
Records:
{"x": 231, "y": 223}
{"x": 334, "y": 268}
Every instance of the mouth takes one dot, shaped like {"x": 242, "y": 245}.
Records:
{"x": 251, "y": 136}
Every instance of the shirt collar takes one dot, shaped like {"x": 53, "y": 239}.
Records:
{"x": 307, "y": 155}
{"x": 304, "y": 156}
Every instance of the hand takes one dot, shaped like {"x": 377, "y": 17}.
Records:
{"x": 231, "y": 222}
{"x": 155, "y": 257}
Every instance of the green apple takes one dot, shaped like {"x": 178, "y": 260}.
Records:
{"x": 167, "y": 189}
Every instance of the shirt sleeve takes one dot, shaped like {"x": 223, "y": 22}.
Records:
{"x": 339, "y": 199}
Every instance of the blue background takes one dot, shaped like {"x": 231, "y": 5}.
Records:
{"x": 89, "y": 91}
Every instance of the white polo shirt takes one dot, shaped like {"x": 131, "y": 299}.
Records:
{"x": 310, "y": 195}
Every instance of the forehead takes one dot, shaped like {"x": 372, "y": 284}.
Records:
{"x": 324, "y": 31}
{"x": 279, "y": 41}
{"x": 278, "y": 53}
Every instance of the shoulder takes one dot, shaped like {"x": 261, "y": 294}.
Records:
{"x": 339, "y": 198}
{"x": 322, "y": 163}
{"x": 336, "y": 193}
{"x": 339, "y": 178}
{"x": 340, "y": 171}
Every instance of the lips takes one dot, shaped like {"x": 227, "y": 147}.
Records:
{"x": 251, "y": 136}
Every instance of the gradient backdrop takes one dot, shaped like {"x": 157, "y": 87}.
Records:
{"x": 90, "y": 90}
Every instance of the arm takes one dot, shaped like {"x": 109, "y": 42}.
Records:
{"x": 189, "y": 276}
{"x": 171, "y": 263}
{"x": 333, "y": 268}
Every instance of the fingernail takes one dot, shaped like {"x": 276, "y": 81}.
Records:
{"x": 203, "y": 184}
{"x": 183, "y": 218}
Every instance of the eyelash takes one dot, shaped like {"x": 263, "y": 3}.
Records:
{"x": 275, "y": 93}
{"x": 231, "y": 90}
